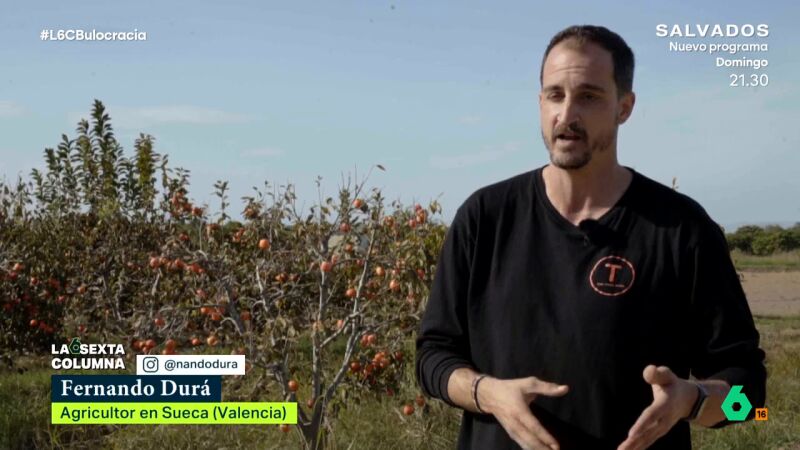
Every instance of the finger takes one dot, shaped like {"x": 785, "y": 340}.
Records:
{"x": 653, "y": 435}
{"x": 628, "y": 444}
{"x": 647, "y": 419}
{"x": 650, "y": 433}
{"x": 537, "y": 386}
{"x": 532, "y": 425}
{"x": 649, "y": 373}
{"x": 522, "y": 436}
{"x": 645, "y": 439}
{"x": 658, "y": 375}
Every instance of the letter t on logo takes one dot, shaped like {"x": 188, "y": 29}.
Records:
{"x": 612, "y": 276}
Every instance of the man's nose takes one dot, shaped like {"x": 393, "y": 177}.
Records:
{"x": 570, "y": 112}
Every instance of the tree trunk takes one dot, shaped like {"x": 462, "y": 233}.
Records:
{"x": 315, "y": 433}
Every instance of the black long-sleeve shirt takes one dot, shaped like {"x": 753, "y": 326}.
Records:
{"x": 520, "y": 291}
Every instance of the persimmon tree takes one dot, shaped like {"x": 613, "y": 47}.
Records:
{"x": 320, "y": 300}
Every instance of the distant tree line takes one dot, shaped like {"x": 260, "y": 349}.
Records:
{"x": 90, "y": 174}
{"x": 767, "y": 240}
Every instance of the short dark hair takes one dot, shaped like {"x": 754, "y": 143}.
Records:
{"x": 621, "y": 54}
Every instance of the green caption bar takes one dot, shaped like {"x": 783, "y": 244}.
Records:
{"x": 174, "y": 413}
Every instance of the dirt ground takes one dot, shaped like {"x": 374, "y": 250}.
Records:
{"x": 773, "y": 293}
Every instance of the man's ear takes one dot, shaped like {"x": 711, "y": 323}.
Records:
{"x": 626, "y": 107}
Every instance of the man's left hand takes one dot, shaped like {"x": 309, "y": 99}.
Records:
{"x": 673, "y": 398}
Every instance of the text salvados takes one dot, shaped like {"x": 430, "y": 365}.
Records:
{"x": 708, "y": 30}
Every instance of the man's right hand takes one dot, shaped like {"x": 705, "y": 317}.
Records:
{"x": 509, "y": 402}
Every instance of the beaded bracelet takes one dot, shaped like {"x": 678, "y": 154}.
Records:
{"x": 475, "y": 392}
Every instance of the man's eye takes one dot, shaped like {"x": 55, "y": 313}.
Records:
{"x": 555, "y": 96}
{"x": 589, "y": 96}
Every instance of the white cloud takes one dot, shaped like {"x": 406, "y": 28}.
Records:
{"x": 266, "y": 152}
{"x": 10, "y": 109}
{"x": 488, "y": 154}
{"x": 137, "y": 118}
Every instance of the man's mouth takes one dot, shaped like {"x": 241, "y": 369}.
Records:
{"x": 569, "y": 137}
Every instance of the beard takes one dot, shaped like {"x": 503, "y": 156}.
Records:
{"x": 579, "y": 156}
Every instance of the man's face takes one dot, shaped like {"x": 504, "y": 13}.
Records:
{"x": 579, "y": 108}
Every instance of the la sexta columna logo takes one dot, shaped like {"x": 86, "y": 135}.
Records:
{"x": 76, "y": 355}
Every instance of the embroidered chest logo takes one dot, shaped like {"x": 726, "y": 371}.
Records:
{"x": 612, "y": 276}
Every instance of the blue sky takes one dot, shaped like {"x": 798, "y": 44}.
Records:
{"x": 443, "y": 94}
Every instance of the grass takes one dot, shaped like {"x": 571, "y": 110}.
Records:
{"x": 368, "y": 421}
{"x": 780, "y": 338}
{"x": 775, "y": 262}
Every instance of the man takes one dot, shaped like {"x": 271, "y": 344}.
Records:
{"x": 582, "y": 304}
